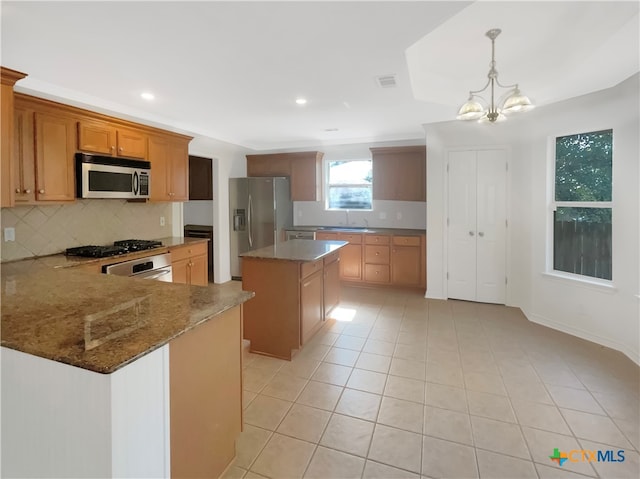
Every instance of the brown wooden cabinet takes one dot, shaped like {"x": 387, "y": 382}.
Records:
{"x": 200, "y": 178}
{"x": 108, "y": 139}
{"x": 331, "y": 282}
{"x": 189, "y": 264}
{"x": 376, "y": 259}
{"x": 311, "y": 300}
{"x": 399, "y": 173}
{"x": 169, "y": 159}
{"x": 24, "y": 167}
{"x": 304, "y": 170}
{"x": 406, "y": 261}
{"x": 54, "y": 152}
{"x": 8, "y": 78}
{"x": 350, "y": 255}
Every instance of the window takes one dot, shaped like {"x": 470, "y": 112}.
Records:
{"x": 582, "y": 207}
{"x": 349, "y": 185}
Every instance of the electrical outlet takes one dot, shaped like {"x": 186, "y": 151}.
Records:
{"x": 162, "y": 221}
{"x": 383, "y": 215}
{"x": 9, "y": 234}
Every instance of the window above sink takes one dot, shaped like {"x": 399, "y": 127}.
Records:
{"x": 349, "y": 185}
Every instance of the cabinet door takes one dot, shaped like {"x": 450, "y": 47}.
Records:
{"x": 200, "y": 178}
{"x": 132, "y": 143}
{"x": 24, "y": 167}
{"x": 305, "y": 179}
{"x": 160, "y": 170}
{"x": 351, "y": 262}
{"x": 323, "y": 235}
{"x": 6, "y": 160}
{"x": 180, "y": 271}
{"x": 311, "y": 311}
{"x": 96, "y": 137}
{"x": 399, "y": 173}
{"x": 406, "y": 266}
{"x": 268, "y": 165}
{"x": 198, "y": 271}
{"x": 178, "y": 154}
{"x": 331, "y": 285}
{"x": 55, "y": 147}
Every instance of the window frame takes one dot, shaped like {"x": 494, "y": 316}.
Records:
{"x": 327, "y": 184}
{"x": 555, "y": 204}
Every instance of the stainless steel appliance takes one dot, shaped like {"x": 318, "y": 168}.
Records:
{"x": 261, "y": 209}
{"x": 293, "y": 234}
{"x": 108, "y": 177}
{"x": 156, "y": 267}
{"x": 118, "y": 247}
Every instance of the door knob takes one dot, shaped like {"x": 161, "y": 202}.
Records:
{"x": 41, "y": 192}
{"x": 481, "y": 234}
{"x": 471, "y": 233}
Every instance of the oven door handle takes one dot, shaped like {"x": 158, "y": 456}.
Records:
{"x": 155, "y": 274}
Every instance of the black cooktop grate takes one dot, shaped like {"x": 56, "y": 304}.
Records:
{"x": 118, "y": 248}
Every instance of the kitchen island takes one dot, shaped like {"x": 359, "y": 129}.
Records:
{"x": 109, "y": 376}
{"x": 296, "y": 285}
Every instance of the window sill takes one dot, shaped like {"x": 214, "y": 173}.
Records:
{"x": 599, "y": 285}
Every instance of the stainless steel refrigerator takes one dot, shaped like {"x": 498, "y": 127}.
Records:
{"x": 261, "y": 209}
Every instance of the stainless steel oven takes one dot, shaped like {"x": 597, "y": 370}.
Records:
{"x": 156, "y": 267}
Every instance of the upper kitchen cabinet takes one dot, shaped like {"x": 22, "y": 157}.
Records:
{"x": 108, "y": 139}
{"x": 200, "y": 178}
{"x": 399, "y": 173}
{"x": 304, "y": 170}
{"x": 8, "y": 78}
{"x": 169, "y": 157}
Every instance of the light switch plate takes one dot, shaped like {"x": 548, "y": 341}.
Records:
{"x": 9, "y": 234}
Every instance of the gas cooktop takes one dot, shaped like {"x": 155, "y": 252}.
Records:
{"x": 118, "y": 247}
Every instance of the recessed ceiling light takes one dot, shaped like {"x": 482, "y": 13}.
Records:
{"x": 301, "y": 101}
{"x": 148, "y": 96}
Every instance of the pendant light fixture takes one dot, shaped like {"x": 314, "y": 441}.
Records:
{"x": 477, "y": 108}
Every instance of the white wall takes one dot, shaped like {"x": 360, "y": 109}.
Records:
{"x": 609, "y": 316}
{"x": 228, "y": 162}
{"x": 385, "y": 214}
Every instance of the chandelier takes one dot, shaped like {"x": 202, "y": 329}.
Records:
{"x": 477, "y": 108}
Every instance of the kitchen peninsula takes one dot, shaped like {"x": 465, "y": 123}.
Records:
{"x": 296, "y": 284}
{"x": 109, "y": 376}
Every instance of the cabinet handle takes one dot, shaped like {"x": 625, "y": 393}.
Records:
{"x": 27, "y": 191}
{"x": 377, "y": 253}
{"x": 113, "y": 148}
{"x": 41, "y": 192}
{"x": 481, "y": 234}
{"x": 471, "y": 233}
{"x": 121, "y": 149}
{"x": 17, "y": 190}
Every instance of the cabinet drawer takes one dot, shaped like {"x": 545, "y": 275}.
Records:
{"x": 310, "y": 268}
{"x": 376, "y": 273}
{"x": 406, "y": 240}
{"x": 188, "y": 251}
{"x": 330, "y": 258}
{"x": 323, "y": 235}
{"x": 376, "y": 254}
{"x": 351, "y": 238}
{"x": 376, "y": 239}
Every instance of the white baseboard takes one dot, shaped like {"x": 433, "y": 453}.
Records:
{"x": 581, "y": 333}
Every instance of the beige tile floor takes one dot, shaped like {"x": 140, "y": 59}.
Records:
{"x": 403, "y": 387}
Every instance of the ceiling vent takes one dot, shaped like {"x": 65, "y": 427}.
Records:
{"x": 387, "y": 81}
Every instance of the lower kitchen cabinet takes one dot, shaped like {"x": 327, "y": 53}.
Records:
{"x": 406, "y": 261}
{"x": 311, "y": 303}
{"x": 189, "y": 263}
{"x": 331, "y": 282}
{"x": 350, "y": 255}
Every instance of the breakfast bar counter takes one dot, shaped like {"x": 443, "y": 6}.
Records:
{"x": 112, "y": 376}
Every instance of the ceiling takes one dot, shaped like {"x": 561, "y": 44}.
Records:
{"x": 233, "y": 70}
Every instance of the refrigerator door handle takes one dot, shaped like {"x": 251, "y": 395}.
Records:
{"x": 249, "y": 221}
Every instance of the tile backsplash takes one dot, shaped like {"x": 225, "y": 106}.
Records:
{"x": 50, "y": 229}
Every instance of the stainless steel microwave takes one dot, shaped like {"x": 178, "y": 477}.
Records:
{"x": 108, "y": 177}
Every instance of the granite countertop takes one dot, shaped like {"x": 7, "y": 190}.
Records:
{"x": 296, "y": 250}
{"x": 354, "y": 229}
{"x": 100, "y": 322}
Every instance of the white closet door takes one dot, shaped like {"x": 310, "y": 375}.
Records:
{"x": 491, "y": 226}
{"x": 462, "y": 225}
